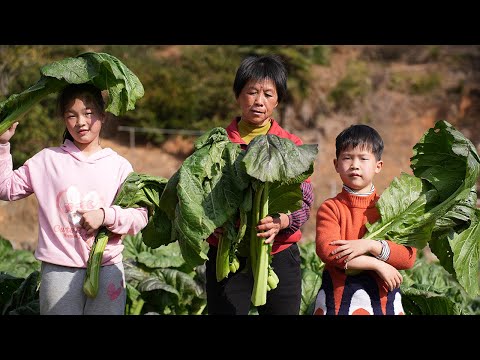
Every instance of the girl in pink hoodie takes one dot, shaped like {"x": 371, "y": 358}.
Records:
{"x": 75, "y": 185}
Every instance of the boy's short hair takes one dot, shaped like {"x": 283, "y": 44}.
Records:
{"x": 362, "y": 136}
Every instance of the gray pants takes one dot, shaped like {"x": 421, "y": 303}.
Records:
{"x": 61, "y": 291}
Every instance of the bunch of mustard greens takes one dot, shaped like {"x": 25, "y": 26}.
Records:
{"x": 220, "y": 183}
{"x": 437, "y": 204}
{"x": 100, "y": 69}
{"x": 138, "y": 190}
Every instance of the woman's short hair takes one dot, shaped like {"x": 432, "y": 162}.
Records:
{"x": 261, "y": 68}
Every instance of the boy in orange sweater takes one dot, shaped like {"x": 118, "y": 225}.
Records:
{"x": 340, "y": 226}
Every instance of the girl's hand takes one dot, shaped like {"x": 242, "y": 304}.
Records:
{"x": 7, "y": 135}
{"x": 91, "y": 220}
{"x": 270, "y": 226}
{"x": 390, "y": 275}
{"x": 349, "y": 249}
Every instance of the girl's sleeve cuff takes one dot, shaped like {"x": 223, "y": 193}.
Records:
{"x": 109, "y": 216}
{"x": 4, "y": 150}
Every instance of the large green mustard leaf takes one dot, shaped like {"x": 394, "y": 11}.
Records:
{"x": 100, "y": 69}
{"x": 436, "y": 206}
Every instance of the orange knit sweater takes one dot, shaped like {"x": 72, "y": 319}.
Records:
{"x": 344, "y": 217}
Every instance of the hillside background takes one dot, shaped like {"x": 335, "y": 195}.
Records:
{"x": 401, "y": 90}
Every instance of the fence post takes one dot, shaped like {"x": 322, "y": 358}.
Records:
{"x": 132, "y": 137}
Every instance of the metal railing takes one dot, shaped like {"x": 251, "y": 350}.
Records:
{"x": 132, "y": 130}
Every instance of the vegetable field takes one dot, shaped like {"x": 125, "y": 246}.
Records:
{"x": 159, "y": 282}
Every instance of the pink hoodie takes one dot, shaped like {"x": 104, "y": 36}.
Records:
{"x": 64, "y": 181}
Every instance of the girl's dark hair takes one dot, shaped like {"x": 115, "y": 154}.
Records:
{"x": 261, "y": 68}
{"x": 72, "y": 91}
{"x": 363, "y": 136}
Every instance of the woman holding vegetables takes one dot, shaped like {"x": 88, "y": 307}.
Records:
{"x": 260, "y": 84}
{"x": 75, "y": 185}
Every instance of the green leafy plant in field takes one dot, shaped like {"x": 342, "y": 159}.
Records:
{"x": 19, "y": 263}
{"x": 20, "y": 296}
{"x": 428, "y": 289}
{"x": 19, "y": 281}
{"x": 312, "y": 268}
{"x": 160, "y": 282}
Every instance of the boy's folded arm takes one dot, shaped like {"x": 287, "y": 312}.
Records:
{"x": 328, "y": 230}
{"x": 401, "y": 257}
{"x": 364, "y": 262}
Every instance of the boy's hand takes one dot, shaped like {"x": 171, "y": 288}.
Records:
{"x": 390, "y": 275}
{"x": 349, "y": 249}
{"x": 7, "y": 135}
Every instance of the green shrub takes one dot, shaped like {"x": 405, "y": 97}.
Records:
{"x": 352, "y": 87}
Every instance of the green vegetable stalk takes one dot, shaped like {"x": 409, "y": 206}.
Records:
{"x": 264, "y": 277}
{"x": 223, "y": 258}
{"x": 90, "y": 285}
{"x": 227, "y": 261}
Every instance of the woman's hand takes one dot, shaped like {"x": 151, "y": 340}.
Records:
{"x": 91, "y": 220}
{"x": 7, "y": 135}
{"x": 270, "y": 226}
{"x": 218, "y": 232}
